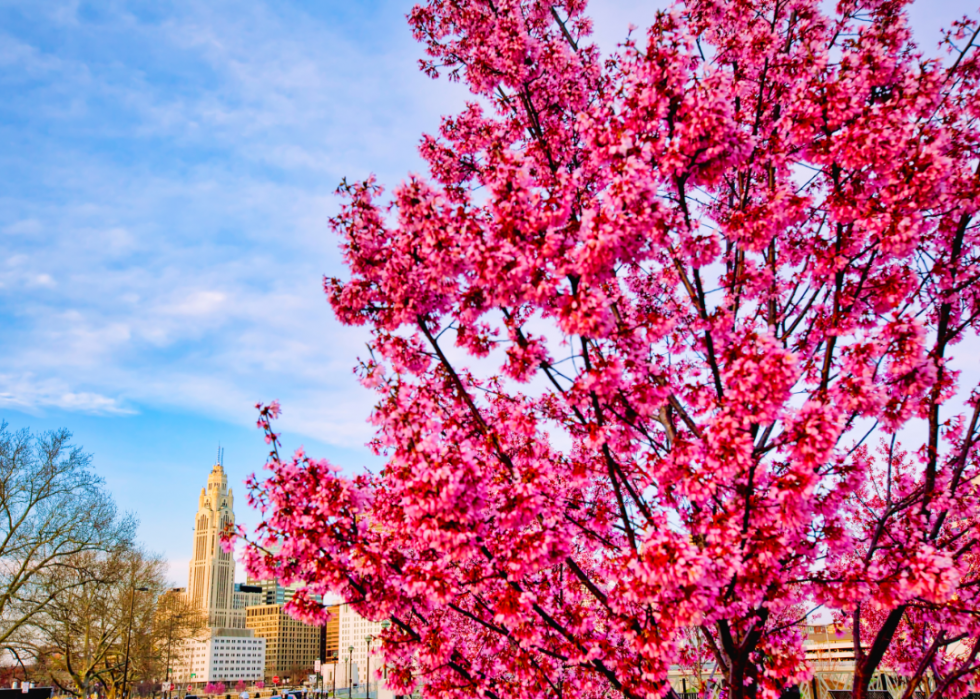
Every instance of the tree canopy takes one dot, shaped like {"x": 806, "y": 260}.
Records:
{"x": 667, "y": 342}
{"x": 54, "y": 511}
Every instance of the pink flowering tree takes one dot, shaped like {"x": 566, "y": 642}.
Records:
{"x": 260, "y": 685}
{"x": 240, "y": 686}
{"x": 935, "y": 627}
{"x": 210, "y": 688}
{"x": 666, "y": 343}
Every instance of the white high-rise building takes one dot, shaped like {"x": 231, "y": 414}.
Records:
{"x": 211, "y": 582}
{"x": 353, "y": 632}
{"x": 224, "y": 655}
{"x": 226, "y": 651}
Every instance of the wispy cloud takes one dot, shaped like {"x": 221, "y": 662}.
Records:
{"x": 165, "y": 231}
{"x": 27, "y": 393}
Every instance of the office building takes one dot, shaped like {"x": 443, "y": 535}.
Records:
{"x": 353, "y": 631}
{"x": 272, "y": 592}
{"x": 827, "y": 647}
{"x": 291, "y": 647}
{"x": 245, "y": 596}
{"x": 210, "y": 584}
{"x": 226, "y": 651}
{"x": 223, "y": 655}
{"x": 331, "y": 635}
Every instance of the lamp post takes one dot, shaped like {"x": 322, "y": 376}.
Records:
{"x": 385, "y": 623}
{"x": 129, "y": 633}
{"x": 350, "y": 676}
{"x": 367, "y": 674}
{"x": 166, "y": 691}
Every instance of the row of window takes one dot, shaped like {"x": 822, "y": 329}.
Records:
{"x": 239, "y": 662}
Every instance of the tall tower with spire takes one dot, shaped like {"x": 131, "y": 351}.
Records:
{"x": 210, "y": 585}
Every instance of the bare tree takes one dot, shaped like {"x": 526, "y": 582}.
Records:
{"x": 175, "y": 621}
{"x": 53, "y": 510}
{"x": 100, "y": 629}
{"x": 137, "y": 598}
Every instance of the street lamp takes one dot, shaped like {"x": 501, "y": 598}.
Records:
{"x": 350, "y": 676}
{"x": 385, "y": 625}
{"x": 129, "y": 633}
{"x": 367, "y": 675}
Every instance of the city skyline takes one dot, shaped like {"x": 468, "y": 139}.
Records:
{"x": 227, "y": 650}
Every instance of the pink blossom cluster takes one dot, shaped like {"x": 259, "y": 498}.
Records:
{"x": 665, "y": 353}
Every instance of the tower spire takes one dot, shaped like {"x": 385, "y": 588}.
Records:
{"x": 211, "y": 574}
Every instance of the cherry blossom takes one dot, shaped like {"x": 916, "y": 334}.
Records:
{"x": 667, "y": 349}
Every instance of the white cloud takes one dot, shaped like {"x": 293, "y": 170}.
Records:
{"x": 45, "y": 280}
{"x": 25, "y": 392}
{"x": 199, "y": 303}
{"x": 29, "y": 226}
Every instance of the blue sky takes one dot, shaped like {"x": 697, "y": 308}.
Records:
{"x": 166, "y": 173}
